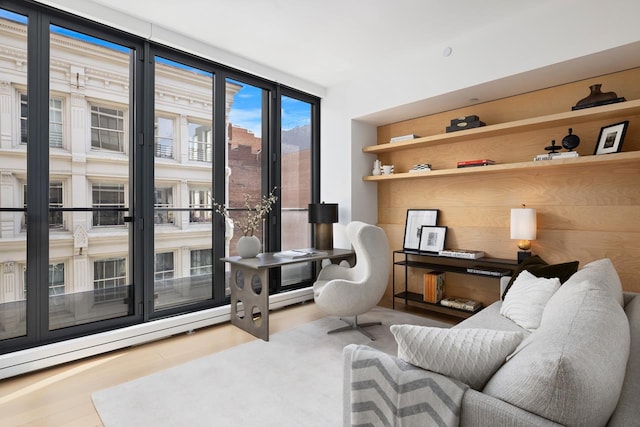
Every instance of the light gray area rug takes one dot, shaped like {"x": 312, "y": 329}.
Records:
{"x": 295, "y": 379}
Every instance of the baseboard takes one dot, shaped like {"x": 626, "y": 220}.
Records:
{"x": 21, "y": 362}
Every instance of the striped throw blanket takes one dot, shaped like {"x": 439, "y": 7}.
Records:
{"x": 386, "y": 391}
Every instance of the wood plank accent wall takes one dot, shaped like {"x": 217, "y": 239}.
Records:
{"x": 584, "y": 213}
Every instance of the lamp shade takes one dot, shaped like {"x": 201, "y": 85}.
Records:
{"x": 523, "y": 224}
{"x": 323, "y": 213}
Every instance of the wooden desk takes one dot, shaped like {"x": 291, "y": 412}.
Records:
{"x": 249, "y": 286}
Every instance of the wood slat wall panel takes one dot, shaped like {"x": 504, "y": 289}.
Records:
{"x": 584, "y": 213}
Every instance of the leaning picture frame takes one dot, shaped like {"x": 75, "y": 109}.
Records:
{"x": 611, "y": 138}
{"x": 432, "y": 239}
{"x": 416, "y": 218}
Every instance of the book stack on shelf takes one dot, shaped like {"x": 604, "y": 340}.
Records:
{"x": 461, "y": 303}
{"x": 433, "y": 286}
{"x": 403, "y": 138}
{"x": 556, "y": 156}
{"x": 474, "y": 163}
{"x": 461, "y": 253}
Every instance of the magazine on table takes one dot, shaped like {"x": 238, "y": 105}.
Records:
{"x": 300, "y": 253}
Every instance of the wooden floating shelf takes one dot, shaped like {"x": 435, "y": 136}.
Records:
{"x": 559, "y": 119}
{"x": 619, "y": 159}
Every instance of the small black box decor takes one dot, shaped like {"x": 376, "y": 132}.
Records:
{"x": 463, "y": 120}
{"x": 462, "y": 123}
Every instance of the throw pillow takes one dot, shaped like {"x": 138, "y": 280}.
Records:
{"x": 527, "y": 298}
{"x": 469, "y": 355}
{"x": 539, "y": 268}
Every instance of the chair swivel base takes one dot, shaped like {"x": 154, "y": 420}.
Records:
{"x": 355, "y": 326}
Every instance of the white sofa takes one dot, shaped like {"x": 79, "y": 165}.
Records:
{"x": 580, "y": 367}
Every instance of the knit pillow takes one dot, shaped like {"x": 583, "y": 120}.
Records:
{"x": 469, "y": 355}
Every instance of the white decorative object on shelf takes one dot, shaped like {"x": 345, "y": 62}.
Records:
{"x": 377, "y": 168}
{"x": 387, "y": 169}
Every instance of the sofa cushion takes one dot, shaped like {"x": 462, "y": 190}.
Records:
{"x": 490, "y": 318}
{"x": 626, "y": 412}
{"x": 570, "y": 370}
{"x": 539, "y": 268}
{"x": 469, "y": 355}
{"x": 603, "y": 273}
{"x": 527, "y": 298}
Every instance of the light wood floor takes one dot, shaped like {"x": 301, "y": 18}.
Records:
{"x": 61, "y": 396}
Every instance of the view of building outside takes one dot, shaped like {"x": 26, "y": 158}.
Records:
{"x": 89, "y": 183}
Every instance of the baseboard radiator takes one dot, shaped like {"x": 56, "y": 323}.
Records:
{"x": 21, "y": 362}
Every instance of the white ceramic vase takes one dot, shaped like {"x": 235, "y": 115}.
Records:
{"x": 248, "y": 246}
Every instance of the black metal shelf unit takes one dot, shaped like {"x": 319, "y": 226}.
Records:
{"x": 427, "y": 261}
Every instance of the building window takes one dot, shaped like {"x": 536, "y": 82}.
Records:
{"x": 201, "y": 262}
{"x": 200, "y": 146}
{"x": 107, "y": 128}
{"x": 163, "y": 271}
{"x": 163, "y": 199}
{"x": 164, "y": 137}
{"x": 55, "y": 201}
{"x": 109, "y": 279}
{"x": 55, "y": 121}
{"x": 200, "y": 205}
{"x": 108, "y": 196}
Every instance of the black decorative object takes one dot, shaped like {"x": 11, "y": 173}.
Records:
{"x": 596, "y": 98}
{"x": 611, "y": 138}
{"x": 552, "y": 148}
{"x": 570, "y": 141}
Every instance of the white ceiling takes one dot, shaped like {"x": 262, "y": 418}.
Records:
{"x": 324, "y": 42}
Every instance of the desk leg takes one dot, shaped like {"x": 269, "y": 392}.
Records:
{"x": 250, "y": 308}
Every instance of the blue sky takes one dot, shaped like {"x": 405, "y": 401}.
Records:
{"x": 246, "y": 110}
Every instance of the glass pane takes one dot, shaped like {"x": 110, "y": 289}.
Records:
{"x": 183, "y": 171}
{"x": 244, "y": 155}
{"x": 296, "y": 184}
{"x": 88, "y": 250}
{"x": 13, "y": 175}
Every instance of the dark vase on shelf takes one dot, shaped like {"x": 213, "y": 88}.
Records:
{"x": 596, "y": 96}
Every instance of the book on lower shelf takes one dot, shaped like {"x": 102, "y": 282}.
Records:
{"x": 299, "y": 253}
{"x": 461, "y": 253}
{"x": 461, "y": 303}
{"x": 489, "y": 271}
{"x": 433, "y": 286}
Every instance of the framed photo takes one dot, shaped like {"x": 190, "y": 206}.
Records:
{"x": 432, "y": 239}
{"x": 416, "y": 218}
{"x": 611, "y": 138}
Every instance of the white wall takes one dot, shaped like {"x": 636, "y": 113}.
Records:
{"x": 557, "y": 42}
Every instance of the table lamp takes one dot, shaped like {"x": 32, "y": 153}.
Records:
{"x": 523, "y": 229}
{"x": 323, "y": 215}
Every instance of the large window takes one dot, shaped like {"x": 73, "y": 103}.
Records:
{"x": 123, "y": 145}
{"x": 107, "y": 128}
{"x": 110, "y": 280}
{"x": 200, "y": 144}
{"x": 55, "y": 121}
{"x": 107, "y": 197}
{"x": 164, "y": 135}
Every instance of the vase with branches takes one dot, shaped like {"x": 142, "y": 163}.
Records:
{"x": 249, "y": 245}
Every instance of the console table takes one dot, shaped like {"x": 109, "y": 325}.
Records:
{"x": 249, "y": 286}
{"x": 421, "y": 260}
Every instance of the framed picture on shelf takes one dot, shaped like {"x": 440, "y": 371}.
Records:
{"x": 416, "y": 218}
{"x": 611, "y": 138}
{"x": 432, "y": 239}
